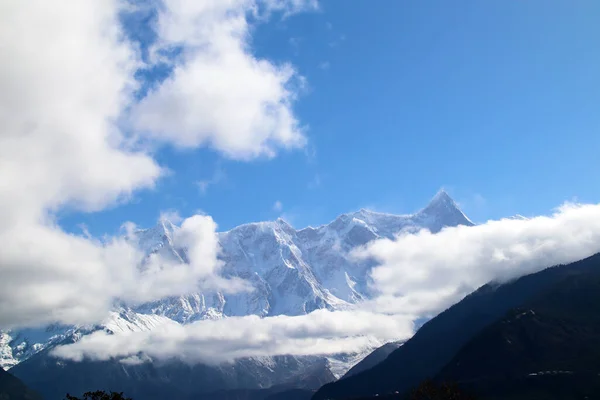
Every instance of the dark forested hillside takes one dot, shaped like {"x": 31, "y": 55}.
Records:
{"x": 11, "y": 388}
{"x": 377, "y": 356}
{"x": 548, "y": 348}
{"x": 440, "y": 339}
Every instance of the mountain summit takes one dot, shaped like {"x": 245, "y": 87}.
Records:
{"x": 442, "y": 198}
{"x": 443, "y": 211}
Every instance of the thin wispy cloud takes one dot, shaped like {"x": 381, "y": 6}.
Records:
{"x": 295, "y": 44}
{"x": 218, "y": 176}
{"x": 277, "y": 206}
{"x": 172, "y": 216}
{"x": 315, "y": 182}
{"x": 337, "y": 41}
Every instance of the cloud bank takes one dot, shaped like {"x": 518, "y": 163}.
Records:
{"x": 417, "y": 274}
{"x": 425, "y": 273}
{"x": 319, "y": 333}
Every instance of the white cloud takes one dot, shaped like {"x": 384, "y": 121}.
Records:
{"x": 171, "y": 216}
{"x": 51, "y": 276}
{"x": 425, "y": 273}
{"x": 60, "y": 146}
{"x": 324, "y": 65}
{"x": 220, "y": 94}
{"x": 164, "y": 276}
{"x": 66, "y": 78}
{"x": 59, "y": 143}
{"x": 289, "y": 7}
{"x": 417, "y": 274}
{"x": 278, "y": 206}
{"x": 320, "y": 332}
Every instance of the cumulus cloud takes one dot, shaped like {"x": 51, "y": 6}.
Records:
{"x": 219, "y": 93}
{"x": 60, "y": 146}
{"x": 318, "y": 333}
{"x": 66, "y": 87}
{"x": 425, "y": 273}
{"x": 167, "y": 274}
{"x": 59, "y": 143}
{"x": 51, "y": 276}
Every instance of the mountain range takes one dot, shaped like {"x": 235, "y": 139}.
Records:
{"x": 534, "y": 337}
{"x": 292, "y": 271}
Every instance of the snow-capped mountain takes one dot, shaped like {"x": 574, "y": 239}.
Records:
{"x": 293, "y": 272}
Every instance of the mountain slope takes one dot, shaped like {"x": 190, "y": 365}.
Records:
{"x": 377, "y": 356}
{"x": 434, "y": 345}
{"x": 554, "y": 337}
{"x": 11, "y": 388}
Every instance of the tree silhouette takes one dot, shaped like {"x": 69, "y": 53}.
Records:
{"x": 99, "y": 395}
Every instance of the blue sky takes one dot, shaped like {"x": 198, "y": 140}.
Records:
{"x": 496, "y": 101}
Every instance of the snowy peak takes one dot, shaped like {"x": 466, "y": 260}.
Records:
{"x": 284, "y": 226}
{"x": 161, "y": 232}
{"x": 443, "y": 211}
{"x": 159, "y": 239}
{"x": 260, "y": 228}
{"x": 441, "y": 201}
